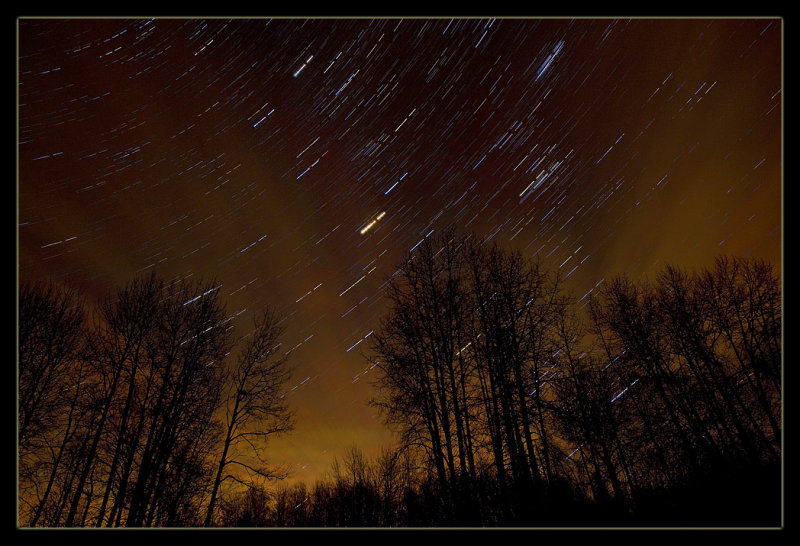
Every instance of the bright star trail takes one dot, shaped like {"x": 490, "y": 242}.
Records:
{"x": 296, "y": 161}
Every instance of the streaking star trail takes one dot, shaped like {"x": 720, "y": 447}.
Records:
{"x": 295, "y": 161}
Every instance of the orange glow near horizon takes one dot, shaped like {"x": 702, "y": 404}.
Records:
{"x": 298, "y": 161}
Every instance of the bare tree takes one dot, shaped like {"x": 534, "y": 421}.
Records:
{"x": 185, "y": 350}
{"x": 704, "y": 349}
{"x": 122, "y": 427}
{"x": 517, "y": 305}
{"x": 745, "y": 310}
{"x": 464, "y": 358}
{"x": 51, "y": 334}
{"x": 255, "y": 406}
{"x": 116, "y": 349}
{"x": 139, "y": 402}
{"x": 426, "y": 385}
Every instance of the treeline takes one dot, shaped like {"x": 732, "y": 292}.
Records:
{"x": 522, "y": 400}
{"x": 646, "y": 403}
{"x": 643, "y": 403}
{"x": 141, "y": 410}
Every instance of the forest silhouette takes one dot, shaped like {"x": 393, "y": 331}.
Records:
{"x": 645, "y": 403}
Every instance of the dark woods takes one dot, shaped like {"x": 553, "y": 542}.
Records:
{"x": 643, "y": 404}
{"x": 138, "y": 416}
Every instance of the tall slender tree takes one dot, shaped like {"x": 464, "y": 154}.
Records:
{"x": 255, "y": 406}
{"x": 51, "y": 335}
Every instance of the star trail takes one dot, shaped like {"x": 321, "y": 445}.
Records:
{"x": 297, "y": 160}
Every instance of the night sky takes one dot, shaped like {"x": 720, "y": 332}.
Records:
{"x": 296, "y": 161}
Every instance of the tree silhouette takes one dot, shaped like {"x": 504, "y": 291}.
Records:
{"x": 51, "y": 383}
{"x": 255, "y": 406}
{"x": 655, "y": 402}
{"x": 487, "y": 368}
{"x": 51, "y": 333}
{"x": 117, "y": 420}
{"x": 464, "y": 359}
{"x": 426, "y": 384}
